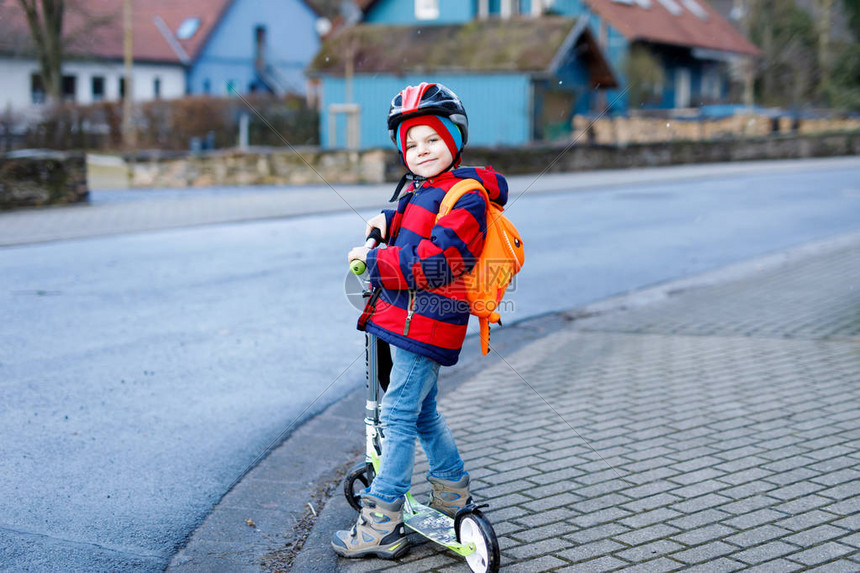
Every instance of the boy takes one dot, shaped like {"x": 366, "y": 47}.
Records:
{"x": 419, "y": 309}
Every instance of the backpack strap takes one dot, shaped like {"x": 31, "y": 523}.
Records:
{"x": 451, "y": 197}
{"x": 458, "y": 190}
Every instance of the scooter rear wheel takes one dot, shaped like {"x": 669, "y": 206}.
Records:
{"x": 356, "y": 481}
{"x": 475, "y": 528}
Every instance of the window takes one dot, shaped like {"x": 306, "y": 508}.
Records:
{"x": 230, "y": 87}
{"x": 712, "y": 85}
{"x": 671, "y": 6}
{"x": 207, "y": 86}
{"x": 641, "y": 3}
{"x": 427, "y": 9}
{"x": 188, "y": 28}
{"x": 37, "y": 89}
{"x": 541, "y": 6}
{"x": 38, "y": 93}
{"x": 70, "y": 88}
{"x": 695, "y": 8}
{"x": 260, "y": 47}
{"x": 156, "y": 88}
{"x": 682, "y": 88}
{"x": 98, "y": 87}
{"x": 122, "y": 88}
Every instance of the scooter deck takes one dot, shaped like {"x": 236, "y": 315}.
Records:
{"x": 432, "y": 524}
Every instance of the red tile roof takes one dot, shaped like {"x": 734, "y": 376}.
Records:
{"x": 94, "y": 28}
{"x": 657, "y": 24}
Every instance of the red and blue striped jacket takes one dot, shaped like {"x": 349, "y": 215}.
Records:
{"x": 422, "y": 306}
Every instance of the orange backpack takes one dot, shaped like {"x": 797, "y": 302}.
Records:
{"x": 501, "y": 258}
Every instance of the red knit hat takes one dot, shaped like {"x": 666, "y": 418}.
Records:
{"x": 446, "y": 129}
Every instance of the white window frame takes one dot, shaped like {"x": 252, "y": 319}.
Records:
{"x": 673, "y": 7}
{"x": 102, "y": 96}
{"x": 683, "y": 84}
{"x": 37, "y": 96}
{"x": 712, "y": 82}
{"x": 696, "y": 9}
{"x": 426, "y": 9}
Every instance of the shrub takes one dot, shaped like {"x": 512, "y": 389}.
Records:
{"x": 172, "y": 124}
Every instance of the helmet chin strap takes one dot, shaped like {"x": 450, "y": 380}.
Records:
{"x": 411, "y": 177}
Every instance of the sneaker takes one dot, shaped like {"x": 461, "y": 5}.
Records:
{"x": 448, "y": 496}
{"x": 379, "y": 531}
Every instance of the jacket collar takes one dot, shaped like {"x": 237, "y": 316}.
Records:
{"x": 415, "y": 181}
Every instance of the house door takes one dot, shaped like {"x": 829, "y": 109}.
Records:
{"x": 682, "y": 87}
{"x": 555, "y": 114}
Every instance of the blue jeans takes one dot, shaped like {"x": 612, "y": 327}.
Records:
{"x": 409, "y": 411}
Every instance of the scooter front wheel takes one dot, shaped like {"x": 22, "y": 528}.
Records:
{"x": 356, "y": 481}
{"x": 474, "y": 528}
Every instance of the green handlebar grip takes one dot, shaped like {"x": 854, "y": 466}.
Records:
{"x": 357, "y": 267}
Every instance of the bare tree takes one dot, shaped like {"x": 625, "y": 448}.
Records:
{"x": 788, "y": 38}
{"x": 825, "y": 9}
{"x": 45, "y": 20}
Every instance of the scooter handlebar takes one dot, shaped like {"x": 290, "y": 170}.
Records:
{"x": 373, "y": 239}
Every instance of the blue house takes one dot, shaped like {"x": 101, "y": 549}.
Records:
{"x": 522, "y": 76}
{"x": 252, "y": 45}
{"x": 525, "y": 67}
{"x": 666, "y": 53}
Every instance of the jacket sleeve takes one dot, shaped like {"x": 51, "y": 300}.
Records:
{"x": 452, "y": 249}
{"x": 389, "y": 219}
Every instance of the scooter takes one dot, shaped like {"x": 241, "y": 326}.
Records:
{"x": 469, "y": 533}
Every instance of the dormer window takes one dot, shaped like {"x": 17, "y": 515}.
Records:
{"x": 188, "y": 28}
{"x": 506, "y": 8}
{"x": 671, "y": 6}
{"x": 541, "y": 6}
{"x": 426, "y": 9}
{"x": 696, "y": 9}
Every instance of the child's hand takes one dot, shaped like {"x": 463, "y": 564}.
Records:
{"x": 358, "y": 254}
{"x": 377, "y": 222}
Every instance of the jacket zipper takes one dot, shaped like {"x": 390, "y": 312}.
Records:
{"x": 409, "y": 312}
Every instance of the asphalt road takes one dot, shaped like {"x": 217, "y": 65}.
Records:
{"x": 142, "y": 374}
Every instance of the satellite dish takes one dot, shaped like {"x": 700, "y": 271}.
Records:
{"x": 323, "y": 26}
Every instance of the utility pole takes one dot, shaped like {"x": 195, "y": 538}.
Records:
{"x": 742, "y": 13}
{"x": 749, "y": 64}
{"x": 824, "y": 21}
{"x": 128, "y": 133}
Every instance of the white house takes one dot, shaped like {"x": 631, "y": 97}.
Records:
{"x": 93, "y": 65}
{"x": 216, "y": 47}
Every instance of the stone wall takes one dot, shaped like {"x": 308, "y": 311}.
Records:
{"x": 591, "y": 157}
{"x": 260, "y": 166}
{"x": 643, "y": 129}
{"x": 277, "y": 166}
{"x": 31, "y": 178}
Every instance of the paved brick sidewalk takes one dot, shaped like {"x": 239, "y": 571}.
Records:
{"x": 716, "y": 430}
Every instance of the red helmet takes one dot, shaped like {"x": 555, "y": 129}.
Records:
{"x": 427, "y": 99}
